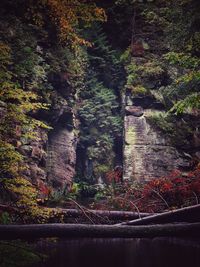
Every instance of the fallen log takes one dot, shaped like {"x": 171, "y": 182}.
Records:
{"x": 188, "y": 214}
{"x": 111, "y": 215}
{"x": 11, "y": 232}
{"x": 74, "y": 213}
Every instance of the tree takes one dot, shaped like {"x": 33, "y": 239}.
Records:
{"x": 62, "y": 18}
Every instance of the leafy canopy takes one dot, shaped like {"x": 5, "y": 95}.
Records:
{"x": 66, "y": 16}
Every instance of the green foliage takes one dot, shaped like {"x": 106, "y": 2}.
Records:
{"x": 182, "y": 95}
{"x": 181, "y": 33}
{"x": 138, "y": 90}
{"x": 10, "y": 160}
{"x": 24, "y": 90}
{"x": 99, "y": 111}
{"x": 102, "y": 169}
{"x": 43, "y": 66}
{"x": 101, "y": 123}
{"x": 190, "y": 102}
{"x": 24, "y": 196}
{"x": 5, "y": 218}
{"x": 140, "y": 76}
{"x": 105, "y": 59}
{"x": 126, "y": 56}
{"x": 16, "y": 104}
{"x": 183, "y": 60}
{"x": 150, "y": 69}
{"x": 82, "y": 190}
{"x": 183, "y": 27}
{"x": 173, "y": 26}
{"x": 162, "y": 121}
{"x": 62, "y": 18}
{"x": 179, "y": 133}
{"x": 177, "y": 31}
{"x": 131, "y": 74}
{"x": 57, "y": 197}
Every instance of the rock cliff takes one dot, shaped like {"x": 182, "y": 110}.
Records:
{"x": 61, "y": 157}
{"x": 147, "y": 153}
{"x": 51, "y": 158}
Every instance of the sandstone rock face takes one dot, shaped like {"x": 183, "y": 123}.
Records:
{"x": 61, "y": 149}
{"x": 61, "y": 140}
{"x": 61, "y": 158}
{"x": 147, "y": 154}
{"x": 51, "y": 157}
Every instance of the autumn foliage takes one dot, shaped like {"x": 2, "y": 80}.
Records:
{"x": 65, "y": 16}
{"x": 173, "y": 191}
{"x": 114, "y": 176}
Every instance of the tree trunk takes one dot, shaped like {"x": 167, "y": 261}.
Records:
{"x": 112, "y": 215}
{"x": 188, "y": 214}
{"x": 32, "y": 231}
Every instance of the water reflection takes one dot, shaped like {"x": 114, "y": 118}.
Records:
{"x": 157, "y": 252}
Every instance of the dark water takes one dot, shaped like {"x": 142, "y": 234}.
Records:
{"x": 157, "y": 252}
